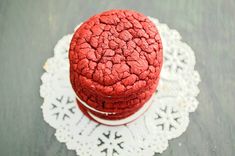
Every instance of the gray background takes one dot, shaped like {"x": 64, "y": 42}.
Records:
{"x": 30, "y": 29}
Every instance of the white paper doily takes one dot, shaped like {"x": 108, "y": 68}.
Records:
{"x": 167, "y": 118}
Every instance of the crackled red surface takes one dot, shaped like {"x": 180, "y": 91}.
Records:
{"x": 115, "y": 55}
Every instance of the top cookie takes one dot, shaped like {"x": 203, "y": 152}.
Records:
{"x": 115, "y": 54}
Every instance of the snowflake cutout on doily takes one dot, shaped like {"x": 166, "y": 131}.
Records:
{"x": 110, "y": 143}
{"x": 176, "y": 60}
{"x": 168, "y": 118}
{"x": 59, "y": 109}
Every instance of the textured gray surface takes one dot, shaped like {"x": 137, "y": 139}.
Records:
{"x": 30, "y": 29}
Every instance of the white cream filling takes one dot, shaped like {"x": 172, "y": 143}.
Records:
{"x": 93, "y": 109}
{"x": 125, "y": 120}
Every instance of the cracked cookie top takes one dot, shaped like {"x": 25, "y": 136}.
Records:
{"x": 115, "y": 53}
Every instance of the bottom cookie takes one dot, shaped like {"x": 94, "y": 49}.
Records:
{"x": 119, "y": 120}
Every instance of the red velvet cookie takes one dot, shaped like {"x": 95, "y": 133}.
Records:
{"x": 115, "y": 56}
{"x": 117, "y": 104}
{"x": 122, "y": 112}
